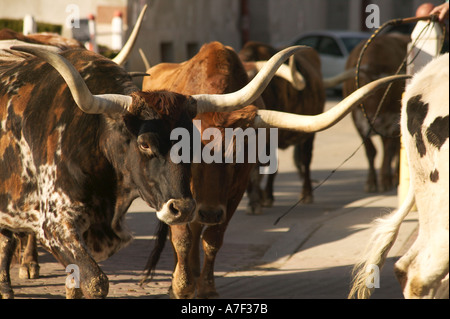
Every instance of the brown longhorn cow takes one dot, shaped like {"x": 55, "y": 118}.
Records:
{"x": 218, "y": 187}
{"x": 27, "y": 249}
{"x": 383, "y": 57}
{"x": 283, "y": 94}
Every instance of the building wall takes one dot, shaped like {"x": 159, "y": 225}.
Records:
{"x": 278, "y": 21}
{"x": 174, "y": 30}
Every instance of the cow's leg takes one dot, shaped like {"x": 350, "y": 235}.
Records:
{"x": 391, "y": 147}
{"x": 298, "y": 160}
{"x": 194, "y": 255}
{"x": 402, "y": 265}
{"x": 371, "y": 182}
{"x": 7, "y": 248}
{"x": 363, "y": 128}
{"x": 423, "y": 269}
{"x": 212, "y": 242}
{"x": 68, "y": 248}
{"x": 254, "y": 192}
{"x": 29, "y": 267}
{"x": 303, "y": 157}
{"x": 183, "y": 281}
{"x": 267, "y": 195}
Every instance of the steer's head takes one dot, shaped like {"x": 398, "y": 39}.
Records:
{"x": 159, "y": 181}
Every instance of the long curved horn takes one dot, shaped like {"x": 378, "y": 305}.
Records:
{"x": 290, "y": 74}
{"x": 248, "y": 94}
{"x": 88, "y": 103}
{"x": 320, "y": 122}
{"x": 331, "y": 82}
{"x": 145, "y": 60}
{"x": 298, "y": 81}
{"x": 137, "y": 73}
{"x": 126, "y": 50}
{"x": 6, "y": 44}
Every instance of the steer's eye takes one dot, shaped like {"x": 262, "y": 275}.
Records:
{"x": 148, "y": 144}
{"x": 144, "y": 146}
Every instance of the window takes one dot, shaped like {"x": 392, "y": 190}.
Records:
{"x": 167, "y": 53}
{"x": 310, "y": 41}
{"x": 329, "y": 46}
{"x": 192, "y": 49}
{"x": 351, "y": 43}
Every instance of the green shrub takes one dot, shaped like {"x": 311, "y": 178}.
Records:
{"x": 13, "y": 24}
{"x": 17, "y": 25}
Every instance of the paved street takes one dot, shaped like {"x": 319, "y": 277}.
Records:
{"x": 308, "y": 254}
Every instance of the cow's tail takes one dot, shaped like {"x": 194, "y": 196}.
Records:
{"x": 161, "y": 237}
{"x": 386, "y": 230}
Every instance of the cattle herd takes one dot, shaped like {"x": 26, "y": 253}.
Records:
{"x": 79, "y": 142}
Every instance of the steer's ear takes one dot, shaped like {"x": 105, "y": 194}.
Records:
{"x": 132, "y": 123}
{"x": 190, "y": 106}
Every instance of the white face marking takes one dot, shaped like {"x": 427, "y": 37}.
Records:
{"x": 171, "y": 217}
{"x": 165, "y": 213}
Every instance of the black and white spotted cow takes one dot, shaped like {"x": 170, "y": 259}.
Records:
{"x": 424, "y": 270}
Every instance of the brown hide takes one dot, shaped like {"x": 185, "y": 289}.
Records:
{"x": 383, "y": 57}
{"x": 41, "y": 38}
{"x": 280, "y": 95}
{"x": 215, "y": 69}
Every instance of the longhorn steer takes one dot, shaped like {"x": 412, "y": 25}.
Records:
{"x": 218, "y": 187}
{"x": 29, "y": 267}
{"x": 383, "y": 57}
{"x": 283, "y": 95}
{"x": 72, "y": 162}
{"x": 423, "y": 270}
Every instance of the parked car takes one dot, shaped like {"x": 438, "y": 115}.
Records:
{"x": 333, "y": 47}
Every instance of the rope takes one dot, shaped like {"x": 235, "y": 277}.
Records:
{"x": 395, "y": 22}
{"x": 371, "y": 128}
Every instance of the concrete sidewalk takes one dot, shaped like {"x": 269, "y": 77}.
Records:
{"x": 315, "y": 259}
{"x": 311, "y": 258}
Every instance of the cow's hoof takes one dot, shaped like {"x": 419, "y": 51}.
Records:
{"x": 307, "y": 199}
{"x": 181, "y": 295}
{"x": 371, "y": 188}
{"x": 29, "y": 271}
{"x": 74, "y": 293}
{"x": 208, "y": 295}
{"x": 267, "y": 202}
{"x": 6, "y": 291}
{"x": 386, "y": 187}
{"x": 254, "y": 210}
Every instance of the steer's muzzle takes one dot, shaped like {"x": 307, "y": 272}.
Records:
{"x": 177, "y": 211}
{"x": 210, "y": 215}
